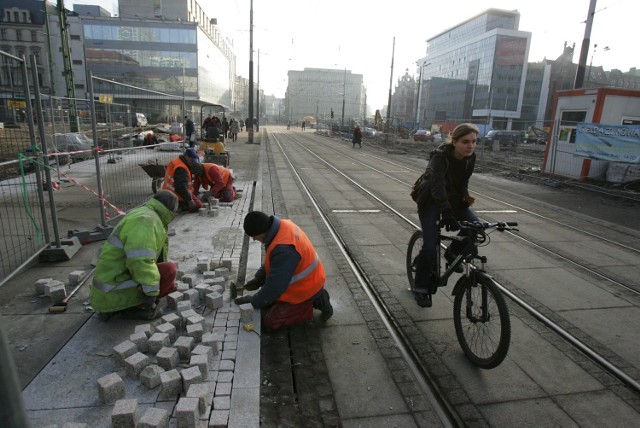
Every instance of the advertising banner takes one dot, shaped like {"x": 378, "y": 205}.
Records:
{"x": 608, "y": 142}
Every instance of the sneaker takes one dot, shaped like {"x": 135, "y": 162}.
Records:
{"x": 325, "y": 315}
{"x": 423, "y": 299}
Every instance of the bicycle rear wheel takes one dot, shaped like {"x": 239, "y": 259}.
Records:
{"x": 482, "y": 322}
{"x": 415, "y": 245}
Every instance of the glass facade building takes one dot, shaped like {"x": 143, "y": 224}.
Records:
{"x": 476, "y": 71}
{"x": 175, "y": 58}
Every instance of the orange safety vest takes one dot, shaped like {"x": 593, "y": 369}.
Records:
{"x": 169, "y": 171}
{"x": 224, "y": 173}
{"x": 309, "y": 276}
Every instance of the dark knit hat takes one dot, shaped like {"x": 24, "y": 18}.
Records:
{"x": 257, "y": 222}
{"x": 190, "y": 153}
{"x": 168, "y": 199}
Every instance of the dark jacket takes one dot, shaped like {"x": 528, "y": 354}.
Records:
{"x": 448, "y": 180}
{"x": 189, "y": 128}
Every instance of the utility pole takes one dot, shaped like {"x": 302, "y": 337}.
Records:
{"x": 393, "y": 50}
{"x": 68, "y": 72}
{"x": 250, "y": 124}
{"x": 258, "y": 96}
{"x": 584, "y": 50}
{"x": 344, "y": 94}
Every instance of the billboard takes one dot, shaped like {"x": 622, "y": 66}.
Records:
{"x": 608, "y": 142}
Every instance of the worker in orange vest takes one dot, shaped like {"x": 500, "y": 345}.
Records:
{"x": 291, "y": 280}
{"x": 218, "y": 180}
{"x": 178, "y": 179}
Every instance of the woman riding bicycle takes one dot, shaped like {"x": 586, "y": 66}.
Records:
{"x": 445, "y": 201}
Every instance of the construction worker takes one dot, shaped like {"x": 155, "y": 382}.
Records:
{"x": 291, "y": 280}
{"x": 178, "y": 179}
{"x": 217, "y": 180}
{"x": 132, "y": 271}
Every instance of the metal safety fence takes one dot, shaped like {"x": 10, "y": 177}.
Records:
{"x": 70, "y": 167}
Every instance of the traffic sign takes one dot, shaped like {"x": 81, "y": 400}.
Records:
{"x": 16, "y": 104}
{"x": 106, "y": 98}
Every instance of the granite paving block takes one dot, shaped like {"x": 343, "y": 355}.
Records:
{"x": 213, "y": 300}
{"x": 189, "y": 278}
{"x": 227, "y": 263}
{"x": 188, "y": 313}
{"x": 110, "y": 388}
{"x": 144, "y": 328}
{"x": 171, "y": 383}
{"x": 222, "y": 272}
{"x": 229, "y": 355}
{"x": 222, "y": 388}
{"x": 203, "y": 350}
{"x": 76, "y": 277}
{"x": 150, "y": 376}
{"x": 173, "y": 299}
{"x": 246, "y": 313}
{"x": 209, "y": 274}
{"x": 135, "y": 364}
{"x": 202, "y": 362}
{"x": 56, "y": 293}
{"x": 201, "y": 391}
{"x": 187, "y": 412}
{"x": 154, "y": 418}
{"x": 212, "y": 340}
{"x": 181, "y": 287}
{"x": 220, "y": 281}
{"x": 157, "y": 341}
{"x": 39, "y": 285}
{"x": 190, "y": 376}
{"x": 173, "y": 319}
{"x": 225, "y": 377}
{"x": 123, "y": 350}
{"x": 219, "y": 419}
{"x": 196, "y": 331}
{"x": 167, "y": 358}
{"x": 214, "y": 288}
{"x": 204, "y": 264}
{"x": 193, "y": 296}
{"x": 202, "y": 288}
{"x": 169, "y": 329}
{"x": 226, "y": 365}
{"x": 183, "y": 305}
{"x": 141, "y": 341}
{"x": 196, "y": 319}
{"x": 125, "y": 413}
{"x": 222, "y": 402}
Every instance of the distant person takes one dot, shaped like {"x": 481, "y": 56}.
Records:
{"x": 291, "y": 280}
{"x": 150, "y": 139}
{"x": 190, "y": 131}
{"x": 303, "y": 125}
{"x": 357, "y": 137}
{"x": 217, "y": 180}
{"x": 445, "y": 202}
{"x": 225, "y": 127}
{"x": 178, "y": 179}
{"x": 206, "y": 122}
{"x": 241, "y": 123}
{"x": 132, "y": 271}
{"x": 234, "y": 128}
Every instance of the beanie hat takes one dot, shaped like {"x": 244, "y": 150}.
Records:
{"x": 190, "y": 153}
{"x": 256, "y": 223}
{"x": 168, "y": 199}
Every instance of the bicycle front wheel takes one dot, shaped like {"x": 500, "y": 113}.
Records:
{"x": 415, "y": 245}
{"x": 481, "y": 318}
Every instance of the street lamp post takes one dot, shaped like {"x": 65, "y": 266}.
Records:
{"x": 419, "y": 97}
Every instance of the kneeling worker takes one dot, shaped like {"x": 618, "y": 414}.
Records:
{"x": 178, "y": 179}
{"x": 291, "y": 280}
{"x": 132, "y": 272}
{"x": 218, "y": 179}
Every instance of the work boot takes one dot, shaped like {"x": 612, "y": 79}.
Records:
{"x": 142, "y": 313}
{"x": 322, "y": 302}
{"x": 423, "y": 298}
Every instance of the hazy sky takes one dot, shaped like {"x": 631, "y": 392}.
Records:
{"x": 358, "y": 34}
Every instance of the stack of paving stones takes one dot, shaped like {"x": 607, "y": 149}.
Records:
{"x": 56, "y": 290}
{"x": 188, "y": 354}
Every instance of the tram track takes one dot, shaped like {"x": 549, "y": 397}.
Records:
{"x": 592, "y": 354}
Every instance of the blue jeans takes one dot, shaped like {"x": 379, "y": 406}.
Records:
{"x": 427, "y": 261}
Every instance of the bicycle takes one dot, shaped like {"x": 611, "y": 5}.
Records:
{"x": 480, "y": 312}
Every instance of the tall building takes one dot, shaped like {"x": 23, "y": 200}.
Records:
{"x": 315, "y": 92}
{"x": 475, "y": 71}
{"x": 403, "y": 102}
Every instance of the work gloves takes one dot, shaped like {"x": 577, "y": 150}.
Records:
{"x": 254, "y": 284}
{"x": 468, "y": 201}
{"x": 242, "y": 300}
{"x": 205, "y": 196}
{"x": 449, "y": 221}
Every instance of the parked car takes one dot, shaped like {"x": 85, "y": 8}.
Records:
{"x": 422, "y": 135}
{"x": 369, "y": 132}
{"x": 74, "y": 142}
{"x": 505, "y": 138}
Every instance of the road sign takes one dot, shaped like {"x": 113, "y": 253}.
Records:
{"x": 16, "y": 104}
{"x": 106, "y": 99}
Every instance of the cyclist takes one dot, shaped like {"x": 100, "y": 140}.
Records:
{"x": 444, "y": 202}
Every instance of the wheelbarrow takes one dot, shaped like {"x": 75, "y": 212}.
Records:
{"x": 156, "y": 172}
